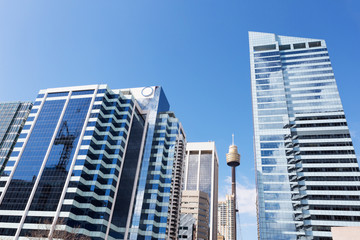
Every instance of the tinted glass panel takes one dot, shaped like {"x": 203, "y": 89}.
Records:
{"x": 193, "y": 172}
{"x": 27, "y": 170}
{"x": 315, "y": 44}
{"x": 284, "y": 47}
{"x": 82, "y": 92}
{"x": 59, "y": 94}
{"x": 265, "y": 47}
{"x": 299, "y": 45}
{"x": 53, "y": 178}
{"x": 122, "y": 205}
{"x": 205, "y": 173}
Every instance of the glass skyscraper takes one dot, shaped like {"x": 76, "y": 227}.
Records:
{"x": 99, "y": 161}
{"x": 12, "y": 119}
{"x": 307, "y": 173}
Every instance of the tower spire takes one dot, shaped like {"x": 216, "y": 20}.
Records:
{"x": 233, "y": 160}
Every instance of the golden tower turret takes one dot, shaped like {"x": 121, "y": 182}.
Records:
{"x": 233, "y": 157}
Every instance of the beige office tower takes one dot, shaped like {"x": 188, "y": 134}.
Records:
{"x": 226, "y": 218}
{"x": 201, "y": 174}
{"x": 197, "y": 203}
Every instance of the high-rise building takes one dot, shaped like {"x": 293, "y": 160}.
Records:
{"x": 99, "y": 161}
{"x": 201, "y": 174}
{"x": 187, "y": 228}
{"x": 197, "y": 203}
{"x": 12, "y": 119}
{"x": 220, "y": 237}
{"x": 226, "y": 218}
{"x": 173, "y": 221}
{"x": 345, "y": 233}
{"x": 307, "y": 173}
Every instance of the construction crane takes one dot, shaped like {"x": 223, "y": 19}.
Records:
{"x": 66, "y": 139}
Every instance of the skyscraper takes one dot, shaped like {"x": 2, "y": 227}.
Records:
{"x": 187, "y": 228}
{"x": 97, "y": 160}
{"x": 197, "y": 203}
{"x": 226, "y": 218}
{"x": 307, "y": 173}
{"x": 201, "y": 174}
{"x": 12, "y": 119}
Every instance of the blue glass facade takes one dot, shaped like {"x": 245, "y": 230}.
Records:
{"x": 307, "y": 171}
{"x": 27, "y": 170}
{"x": 48, "y": 192}
{"x": 152, "y": 202}
{"x": 156, "y": 201}
{"x": 85, "y": 159}
{"x": 12, "y": 119}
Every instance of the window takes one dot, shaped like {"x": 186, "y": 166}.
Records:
{"x": 58, "y": 94}
{"x": 314, "y": 44}
{"x": 83, "y": 92}
{"x": 299, "y": 45}
{"x": 284, "y": 47}
{"x": 265, "y": 47}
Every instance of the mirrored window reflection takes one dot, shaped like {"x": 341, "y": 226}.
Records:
{"x": 205, "y": 173}
{"x": 53, "y": 178}
{"x": 271, "y": 99}
{"x": 12, "y": 119}
{"x": 127, "y": 179}
{"x": 27, "y": 170}
{"x": 271, "y": 137}
{"x": 193, "y": 171}
{"x": 271, "y": 119}
{"x": 276, "y": 187}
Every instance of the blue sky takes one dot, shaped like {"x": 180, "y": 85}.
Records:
{"x": 197, "y": 50}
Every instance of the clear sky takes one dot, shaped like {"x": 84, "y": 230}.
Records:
{"x": 196, "y": 49}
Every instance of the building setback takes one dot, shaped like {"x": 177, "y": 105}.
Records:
{"x": 12, "y": 119}
{"x": 307, "y": 173}
{"x": 97, "y": 160}
{"x": 201, "y": 174}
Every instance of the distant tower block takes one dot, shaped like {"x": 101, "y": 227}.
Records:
{"x": 233, "y": 160}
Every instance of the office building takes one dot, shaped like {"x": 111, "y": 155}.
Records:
{"x": 197, "y": 203}
{"x": 220, "y": 237}
{"x": 98, "y": 161}
{"x": 345, "y": 233}
{"x": 12, "y": 119}
{"x": 187, "y": 228}
{"x": 307, "y": 173}
{"x": 201, "y": 174}
{"x": 226, "y": 218}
